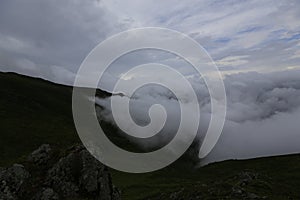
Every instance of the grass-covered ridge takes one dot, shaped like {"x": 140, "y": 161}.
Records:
{"x": 33, "y": 111}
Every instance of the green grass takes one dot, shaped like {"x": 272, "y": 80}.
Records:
{"x": 279, "y": 178}
{"x": 34, "y": 111}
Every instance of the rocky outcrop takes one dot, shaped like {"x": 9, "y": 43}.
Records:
{"x": 49, "y": 175}
{"x": 41, "y": 156}
{"x": 80, "y": 173}
{"x": 11, "y": 180}
{"x": 46, "y": 194}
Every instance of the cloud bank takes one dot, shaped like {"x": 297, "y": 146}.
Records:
{"x": 263, "y": 111}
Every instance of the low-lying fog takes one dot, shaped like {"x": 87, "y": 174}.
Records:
{"x": 263, "y": 113}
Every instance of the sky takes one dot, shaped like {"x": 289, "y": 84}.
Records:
{"x": 255, "y": 44}
{"x": 50, "y": 39}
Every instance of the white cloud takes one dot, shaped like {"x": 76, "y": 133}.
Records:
{"x": 233, "y": 61}
{"x": 296, "y": 54}
{"x": 262, "y": 114}
{"x": 62, "y": 75}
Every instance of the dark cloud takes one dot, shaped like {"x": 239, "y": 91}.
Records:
{"x": 52, "y": 33}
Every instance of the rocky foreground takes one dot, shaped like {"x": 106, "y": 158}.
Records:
{"x": 51, "y": 175}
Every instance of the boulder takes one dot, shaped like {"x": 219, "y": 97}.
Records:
{"x": 46, "y": 194}
{"x": 80, "y": 173}
{"x": 41, "y": 156}
{"x": 71, "y": 174}
{"x": 11, "y": 181}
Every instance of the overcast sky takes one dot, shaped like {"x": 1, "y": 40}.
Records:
{"x": 50, "y": 39}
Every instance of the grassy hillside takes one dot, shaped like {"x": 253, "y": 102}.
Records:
{"x": 275, "y": 178}
{"x": 34, "y": 111}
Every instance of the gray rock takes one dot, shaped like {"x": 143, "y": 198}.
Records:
{"x": 80, "y": 173}
{"x": 41, "y": 156}
{"x": 11, "y": 180}
{"x": 244, "y": 178}
{"x": 253, "y": 196}
{"x": 76, "y": 175}
{"x": 46, "y": 194}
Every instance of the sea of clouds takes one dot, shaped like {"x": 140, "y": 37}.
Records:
{"x": 263, "y": 113}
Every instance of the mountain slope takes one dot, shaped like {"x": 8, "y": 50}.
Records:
{"x": 34, "y": 111}
{"x": 275, "y": 178}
